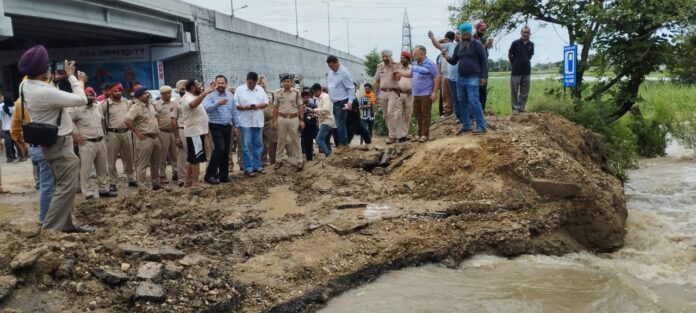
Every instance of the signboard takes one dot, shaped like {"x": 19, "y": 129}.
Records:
{"x": 570, "y": 60}
{"x": 160, "y": 73}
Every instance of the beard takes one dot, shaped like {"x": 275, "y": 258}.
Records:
{"x": 465, "y": 44}
{"x": 198, "y": 92}
{"x": 221, "y": 89}
{"x": 116, "y": 97}
{"x": 182, "y": 93}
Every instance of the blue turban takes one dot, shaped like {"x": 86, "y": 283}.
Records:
{"x": 139, "y": 92}
{"x": 466, "y": 28}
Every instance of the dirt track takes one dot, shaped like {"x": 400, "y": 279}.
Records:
{"x": 287, "y": 242}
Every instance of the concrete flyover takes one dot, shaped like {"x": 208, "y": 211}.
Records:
{"x": 156, "y": 42}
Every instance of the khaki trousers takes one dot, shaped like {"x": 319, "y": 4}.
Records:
{"x": 120, "y": 144}
{"x": 181, "y": 155}
{"x": 288, "y": 130}
{"x": 406, "y": 100}
{"x": 422, "y": 108}
{"x": 270, "y": 144}
{"x": 167, "y": 152}
{"x": 147, "y": 153}
{"x": 93, "y": 154}
{"x": 65, "y": 167}
{"x": 392, "y": 110}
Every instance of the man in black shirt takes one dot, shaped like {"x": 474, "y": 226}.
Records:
{"x": 520, "y": 55}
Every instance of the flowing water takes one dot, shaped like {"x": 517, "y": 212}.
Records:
{"x": 654, "y": 272}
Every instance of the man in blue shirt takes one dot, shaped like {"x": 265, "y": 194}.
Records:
{"x": 222, "y": 120}
{"x": 342, "y": 94}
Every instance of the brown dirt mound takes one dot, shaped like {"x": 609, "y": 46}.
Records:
{"x": 287, "y": 242}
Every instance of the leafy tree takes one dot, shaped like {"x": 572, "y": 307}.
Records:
{"x": 630, "y": 38}
{"x": 683, "y": 66}
{"x": 372, "y": 59}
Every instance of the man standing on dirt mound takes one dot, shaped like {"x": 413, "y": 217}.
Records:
{"x": 406, "y": 98}
{"x": 472, "y": 60}
{"x": 426, "y": 81}
{"x": 287, "y": 120}
{"x": 141, "y": 119}
{"x": 251, "y": 100}
{"x": 387, "y": 86}
{"x": 118, "y": 137}
{"x": 342, "y": 93}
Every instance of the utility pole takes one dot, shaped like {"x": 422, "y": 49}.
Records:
{"x": 232, "y": 8}
{"x": 328, "y": 19}
{"x": 348, "y": 34}
{"x": 297, "y": 24}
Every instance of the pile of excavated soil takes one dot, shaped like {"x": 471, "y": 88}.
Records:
{"x": 288, "y": 242}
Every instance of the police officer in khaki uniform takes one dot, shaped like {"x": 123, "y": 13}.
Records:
{"x": 141, "y": 119}
{"x": 287, "y": 119}
{"x": 270, "y": 135}
{"x": 179, "y": 136}
{"x": 164, "y": 108}
{"x": 118, "y": 137}
{"x": 406, "y": 98}
{"x": 388, "y": 86}
{"x": 88, "y": 132}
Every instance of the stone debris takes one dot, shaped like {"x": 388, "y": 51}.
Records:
{"x": 7, "y": 285}
{"x": 556, "y": 189}
{"x": 154, "y": 254}
{"x": 27, "y": 258}
{"x": 150, "y": 271}
{"x": 109, "y": 277}
{"x": 148, "y": 291}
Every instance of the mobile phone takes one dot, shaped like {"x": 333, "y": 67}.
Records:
{"x": 60, "y": 67}
{"x": 253, "y": 106}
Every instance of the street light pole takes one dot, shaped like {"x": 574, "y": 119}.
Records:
{"x": 232, "y": 8}
{"x": 297, "y": 24}
{"x": 348, "y": 34}
{"x": 328, "y": 20}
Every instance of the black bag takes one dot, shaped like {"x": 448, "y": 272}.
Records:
{"x": 40, "y": 134}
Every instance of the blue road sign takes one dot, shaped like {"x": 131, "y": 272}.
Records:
{"x": 570, "y": 60}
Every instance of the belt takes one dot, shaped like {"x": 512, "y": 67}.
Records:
{"x": 152, "y": 136}
{"x": 95, "y": 139}
{"x": 181, "y": 128}
{"x": 397, "y": 90}
{"x": 117, "y": 130}
{"x": 166, "y": 131}
{"x": 407, "y": 92}
{"x": 293, "y": 115}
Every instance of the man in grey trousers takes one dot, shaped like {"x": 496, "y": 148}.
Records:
{"x": 46, "y": 104}
{"x": 520, "y": 56}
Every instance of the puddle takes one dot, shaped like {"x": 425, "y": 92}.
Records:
{"x": 281, "y": 202}
{"x": 19, "y": 209}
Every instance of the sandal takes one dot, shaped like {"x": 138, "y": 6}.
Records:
{"x": 390, "y": 141}
{"x": 423, "y": 139}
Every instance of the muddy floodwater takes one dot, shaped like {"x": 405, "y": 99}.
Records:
{"x": 654, "y": 272}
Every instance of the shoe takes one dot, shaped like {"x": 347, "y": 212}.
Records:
{"x": 181, "y": 184}
{"x": 90, "y": 198}
{"x": 22, "y": 159}
{"x": 423, "y": 139}
{"x": 164, "y": 180}
{"x": 250, "y": 174}
{"x": 112, "y": 188}
{"x": 133, "y": 184}
{"x": 82, "y": 230}
{"x": 211, "y": 180}
{"x": 261, "y": 171}
{"x": 157, "y": 187}
{"x": 390, "y": 141}
{"x": 278, "y": 165}
{"x": 225, "y": 180}
{"x": 480, "y": 132}
{"x": 464, "y": 131}
{"x": 108, "y": 194}
{"x": 175, "y": 177}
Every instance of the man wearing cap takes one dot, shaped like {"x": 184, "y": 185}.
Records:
{"x": 164, "y": 107}
{"x": 89, "y": 136}
{"x": 179, "y": 136}
{"x": 342, "y": 93}
{"x": 472, "y": 64}
{"x": 287, "y": 119}
{"x": 141, "y": 119}
{"x": 388, "y": 86}
{"x": 481, "y": 28}
{"x": 47, "y": 104}
{"x": 118, "y": 137}
{"x": 222, "y": 119}
{"x": 426, "y": 83}
{"x": 405, "y": 98}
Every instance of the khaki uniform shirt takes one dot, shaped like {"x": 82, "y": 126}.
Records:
{"x": 268, "y": 111}
{"x": 88, "y": 121}
{"x": 115, "y": 112}
{"x": 164, "y": 112}
{"x": 287, "y": 102}
{"x": 144, "y": 117}
{"x": 385, "y": 75}
{"x": 176, "y": 112}
{"x": 405, "y": 84}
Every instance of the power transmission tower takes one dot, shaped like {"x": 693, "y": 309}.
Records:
{"x": 406, "y": 44}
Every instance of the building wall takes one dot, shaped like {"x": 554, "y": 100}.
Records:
{"x": 182, "y": 67}
{"x": 234, "y": 47}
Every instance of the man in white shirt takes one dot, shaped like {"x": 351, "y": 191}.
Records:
{"x": 195, "y": 129}
{"x": 326, "y": 118}
{"x": 251, "y": 99}
{"x": 46, "y": 104}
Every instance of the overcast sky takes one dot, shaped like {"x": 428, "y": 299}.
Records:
{"x": 377, "y": 24}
